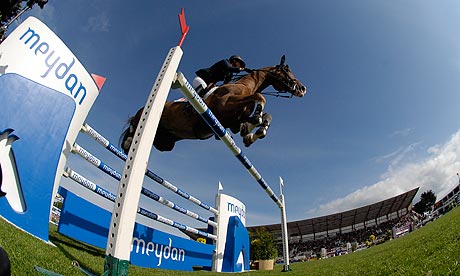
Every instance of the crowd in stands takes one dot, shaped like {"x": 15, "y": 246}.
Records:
{"x": 341, "y": 243}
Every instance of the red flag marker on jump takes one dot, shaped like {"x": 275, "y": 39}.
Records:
{"x": 183, "y": 27}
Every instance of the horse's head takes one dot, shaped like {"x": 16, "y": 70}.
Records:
{"x": 285, "y": 80}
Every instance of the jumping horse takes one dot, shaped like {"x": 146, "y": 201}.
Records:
{"x": 238, "y": 106}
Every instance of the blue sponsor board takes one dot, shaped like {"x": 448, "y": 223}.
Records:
{"x": 236, "y": 246}
{"x": 40, "y": 126}
{"x": 45, "y": 95}
{"x": 150, "y": 247}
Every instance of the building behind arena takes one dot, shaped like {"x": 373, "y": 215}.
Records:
{"x": 347, "y": 231}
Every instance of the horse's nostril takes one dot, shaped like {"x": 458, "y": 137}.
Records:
{"x": 304, "y": 89}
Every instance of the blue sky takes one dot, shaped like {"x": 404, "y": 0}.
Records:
{"x": 380, "y": 117}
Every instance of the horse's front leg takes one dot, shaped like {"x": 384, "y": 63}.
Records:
{"x": 250, "y": 138}
{"x": 257, "y": 102}
{"x": 256, "y": 117}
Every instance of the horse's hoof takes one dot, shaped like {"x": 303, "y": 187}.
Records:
{"x": 244, "y": 129}
{"x": 261, "y": 132}
{"x": 247, "y": 140}
{"x": 255, "y": 120}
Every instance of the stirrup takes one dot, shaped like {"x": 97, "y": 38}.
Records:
{"x": 201, "y": 91}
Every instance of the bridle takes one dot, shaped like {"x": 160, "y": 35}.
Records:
{"x": 287, "y": 81}
{"x": 283, "y": 78}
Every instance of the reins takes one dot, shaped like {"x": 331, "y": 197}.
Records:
{"x": 277, "y": 94}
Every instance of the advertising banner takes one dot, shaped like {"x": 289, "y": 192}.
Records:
{"x": 232, "y": 215}
{"x": 151, "y": 248}
{"x": 45, "y": 95}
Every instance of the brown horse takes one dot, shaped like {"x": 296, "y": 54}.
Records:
{"x": 238, "y": 106}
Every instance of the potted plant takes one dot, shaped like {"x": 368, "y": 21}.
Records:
{"x": 263, "y": 249}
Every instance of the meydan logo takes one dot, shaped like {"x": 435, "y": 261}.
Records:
{"x": 160, "y": 251}
{"x": 10, "y": 185}
{"x": 56, "y": 66}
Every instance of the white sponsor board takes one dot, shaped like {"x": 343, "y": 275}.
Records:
{"x": 228, "y": 206}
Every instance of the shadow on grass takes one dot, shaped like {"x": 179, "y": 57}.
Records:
{"x": 63, "y": 242}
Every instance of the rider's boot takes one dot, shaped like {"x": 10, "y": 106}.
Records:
{"x": 201, "y": 91}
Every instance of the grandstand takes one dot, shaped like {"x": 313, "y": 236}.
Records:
{"x": 445, "y": 204}
{"x": 317, "y": 231}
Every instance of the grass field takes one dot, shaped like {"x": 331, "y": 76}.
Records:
{"x": 431, "y": 250}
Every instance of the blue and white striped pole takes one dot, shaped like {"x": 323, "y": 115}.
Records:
{"x": 220, "y": 131}
{"x": 112, "y": 197}
{"x": 146, "y": 192}
{"x": 120, "y": 154}
{"x": 202, "y": 109}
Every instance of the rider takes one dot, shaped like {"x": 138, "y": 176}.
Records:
{"x": 222, "y": 70}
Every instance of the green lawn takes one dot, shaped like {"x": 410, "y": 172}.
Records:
{"x": 431, "y": 250}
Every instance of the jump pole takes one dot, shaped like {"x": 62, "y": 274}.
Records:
{"x": 126, "y": 204}
{"x": 284, "y": 232}
{"x": 207, "y": 115}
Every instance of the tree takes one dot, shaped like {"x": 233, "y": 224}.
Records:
{"x": 11, "y": 9}
{"x": 427, "y": 200}
{"x": 8, "y": 9}
{"x": 263, "y": 245}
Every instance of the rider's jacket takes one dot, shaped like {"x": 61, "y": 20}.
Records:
{"x": 219, "y": 71}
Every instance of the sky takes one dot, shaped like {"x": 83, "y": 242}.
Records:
{"x": 381, "y": 115}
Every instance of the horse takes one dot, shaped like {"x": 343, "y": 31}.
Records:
{"x": 238, "y": 106}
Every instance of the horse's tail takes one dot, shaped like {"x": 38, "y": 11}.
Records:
{"x": 126, "y": 137}
{"x": 125, "y": 140}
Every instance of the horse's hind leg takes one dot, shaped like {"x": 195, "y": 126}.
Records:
{"x": 250, "y": 138}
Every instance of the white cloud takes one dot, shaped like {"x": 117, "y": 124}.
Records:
{"x": 402, "y": 132}
{"x": 437, "y": 172}
{"x": 396, "y": 157}
{"x": 98, "y": 23}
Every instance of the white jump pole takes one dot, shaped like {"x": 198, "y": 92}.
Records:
{"x": 124, "y": 213}
{"x": 284, "y": 231}
{"x": 126, "y": 204}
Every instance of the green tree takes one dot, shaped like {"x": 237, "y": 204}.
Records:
{"x": 9, "y": 9}
{"x": 427, "y": 200}
{"x": 263, "y": 245}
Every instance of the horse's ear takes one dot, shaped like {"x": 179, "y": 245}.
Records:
{"x": 283, "y": 60}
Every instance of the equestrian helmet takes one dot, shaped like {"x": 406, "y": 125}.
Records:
{"x": 239, "y": 59}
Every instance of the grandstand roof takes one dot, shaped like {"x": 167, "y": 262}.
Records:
{"x": 345, "y": 219}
